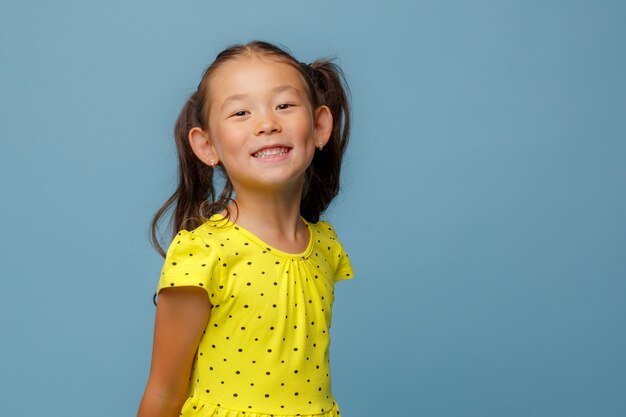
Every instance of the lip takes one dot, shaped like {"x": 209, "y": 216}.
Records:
{"x": 276, "y": 145}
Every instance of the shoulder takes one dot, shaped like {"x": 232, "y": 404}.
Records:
{"x": 216, "y": 236}
{"x": 189, "y": 242}
{"x": 215, "y": 229}
{"x": 325, "y": 238}
{"x": 325, "y": 229}
{"x": 193, "y": 259}
{"x": 188, "y": 252}
{"x": 329, "y": 243}
{"x": 205, "y": 242}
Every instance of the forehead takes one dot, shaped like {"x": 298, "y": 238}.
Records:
{"x": 252, "y": 74}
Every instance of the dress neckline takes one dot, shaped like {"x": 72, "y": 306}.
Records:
{"x": 260, "y": 242}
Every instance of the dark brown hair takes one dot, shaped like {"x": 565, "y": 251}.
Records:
{"x": 195, "y": 199}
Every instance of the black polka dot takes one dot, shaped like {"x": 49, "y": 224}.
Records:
{"x": 235, "y": 248}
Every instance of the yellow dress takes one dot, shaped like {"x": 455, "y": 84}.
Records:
{"x": 265, "y": 349}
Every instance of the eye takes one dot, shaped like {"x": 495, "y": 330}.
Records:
{"x": 239, "y": 113}
{"x": 284, "y": 106}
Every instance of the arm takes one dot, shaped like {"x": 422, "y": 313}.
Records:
{"x": 181, "y": 316}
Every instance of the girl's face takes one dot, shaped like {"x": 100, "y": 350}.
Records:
{"x": 261, "y": 124}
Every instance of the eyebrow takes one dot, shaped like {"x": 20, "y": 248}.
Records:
{"x": 275, "y": 90}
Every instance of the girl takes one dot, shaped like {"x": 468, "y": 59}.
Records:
{"x": 246, "y": 291}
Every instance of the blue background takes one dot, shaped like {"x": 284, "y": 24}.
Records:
{"x": 483, "y": 205}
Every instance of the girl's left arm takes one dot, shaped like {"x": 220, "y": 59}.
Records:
{"x": 182, "y": 314}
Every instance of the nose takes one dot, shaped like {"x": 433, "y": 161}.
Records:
{"x": 267, "y": 124}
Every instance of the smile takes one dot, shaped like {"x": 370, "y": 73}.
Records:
{"x": 271, "y": 152}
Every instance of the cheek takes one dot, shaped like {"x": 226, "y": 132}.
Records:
{"x": 227, "y": 139}
{"x": 306, "y": 130}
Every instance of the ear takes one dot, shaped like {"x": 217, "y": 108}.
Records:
{"x": 323, "y": 125}
{"x": 202, "y": 146}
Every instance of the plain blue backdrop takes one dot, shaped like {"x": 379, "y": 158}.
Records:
{"x": 483, "y": 205}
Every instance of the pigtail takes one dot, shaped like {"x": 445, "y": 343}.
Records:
{"x": 192, "y": 200}
{"x": 322, "y": 178}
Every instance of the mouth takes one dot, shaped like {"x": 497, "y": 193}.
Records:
{"x": 271, "y": 152}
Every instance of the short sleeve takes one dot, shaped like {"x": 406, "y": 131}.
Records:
{"x": 343, "y": 269}
{"x": 189, "y": 262}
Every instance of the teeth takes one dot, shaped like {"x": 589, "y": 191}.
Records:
{"x": 270, "y": 152}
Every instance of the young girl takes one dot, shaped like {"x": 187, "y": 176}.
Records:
{"x": 246, "y": 291}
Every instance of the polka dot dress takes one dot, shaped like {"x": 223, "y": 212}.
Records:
{"x": 265, "y": 349}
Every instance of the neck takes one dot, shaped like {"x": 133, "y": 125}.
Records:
{"x": 273, "y": 215}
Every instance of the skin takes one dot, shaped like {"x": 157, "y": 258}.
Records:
{"x": 181, "y": 316}
{"x": 256, "y": 102}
